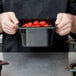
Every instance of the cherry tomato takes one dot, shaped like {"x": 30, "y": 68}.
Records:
{"x": 46, "y": 25}
{"x": 38, "y": 25}
{"x": 42, "y": 23}
{"x": 23, "y": 25}
{"x": 35, "y": 22}
{"x": 33, "y": 25}
{"x": 30, "y": 24}
{"x": 26, "y": 25}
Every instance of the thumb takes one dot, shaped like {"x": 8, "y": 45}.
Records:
{"x": 59, "y": 18}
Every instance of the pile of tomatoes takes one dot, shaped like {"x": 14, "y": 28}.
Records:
{"x": 36, "y": 24}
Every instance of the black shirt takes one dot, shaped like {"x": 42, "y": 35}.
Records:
{"x": 1, "y": 6}
{"x": 37, "y": 9}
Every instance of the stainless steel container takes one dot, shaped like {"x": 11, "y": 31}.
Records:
{"x": 37, "y": 36}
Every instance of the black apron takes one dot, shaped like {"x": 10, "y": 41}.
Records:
{"x": 35, "y": 9}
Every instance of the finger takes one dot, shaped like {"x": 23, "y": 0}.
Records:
{"x": 66, "y": 20}
{"x": 13, "y": 18}
{"x": 6, "y": 27}
{"x": 64, "y": 24}
{"x": 63, "y": 32}
{"x": 9, "y": 31}
{"x": 67, "y": 26}
{"x": 6, "y": 21}
{"x": 59, "y": 18}
{"x": 9, "y": 24}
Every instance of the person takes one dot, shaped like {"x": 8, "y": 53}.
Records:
{"x": 63, "y": 11}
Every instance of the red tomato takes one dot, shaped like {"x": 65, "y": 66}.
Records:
{"x": 33, "y": 25}
{"x": 26, "y": 25}
{"x": 23, "y": 25}
{"x": 46, "y": 25}
{"x": 35, "y": 22}
{"x": 42, "y": 23}
{"x": 30, "y": 24}
{"x": 38, "y": 25}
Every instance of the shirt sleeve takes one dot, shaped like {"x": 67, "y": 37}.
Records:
{"x": 1, "y": 6}
{"x": 72, "y": 7}
{"x": 72, "y": 10}
{"x": 73, "y": 35}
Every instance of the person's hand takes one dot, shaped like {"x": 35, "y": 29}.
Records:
{"x": 64, "y": 23}
{"x": 9, "y": 22}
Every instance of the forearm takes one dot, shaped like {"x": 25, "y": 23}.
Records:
{"x": 73, "y": 29}
{"x": 1, "y": 24}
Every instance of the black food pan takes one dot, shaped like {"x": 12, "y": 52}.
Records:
{"x": 37, "y": 36}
